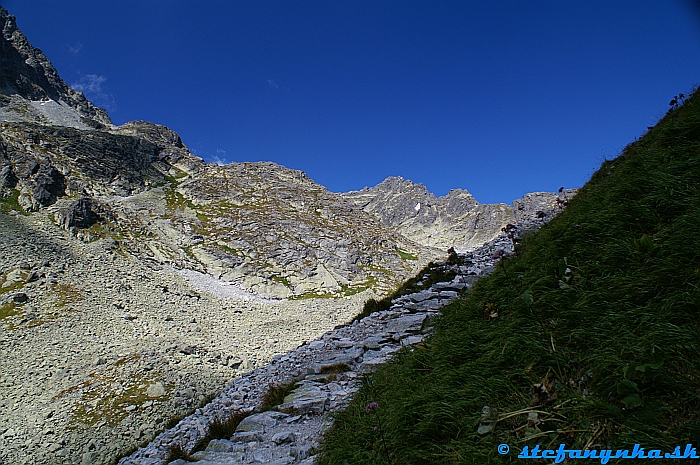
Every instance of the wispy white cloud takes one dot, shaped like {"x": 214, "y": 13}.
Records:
{"x": 91, "y": 86}
{"x": 272, "y": 84}
{"x": 220, "y": 158}
{"x": 74, "y": 49}
{"x": 89, "y": 83}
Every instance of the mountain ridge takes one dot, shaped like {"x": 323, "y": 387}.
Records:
{"x": 455, "y": 220}
{"x": 27, "y": 72}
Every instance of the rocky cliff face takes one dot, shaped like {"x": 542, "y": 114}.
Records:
{"x": 455, "y": 220}
{"x": 260, "y": 225}
{"x": 26, "y": 72}
{"x": 267, "y": 228}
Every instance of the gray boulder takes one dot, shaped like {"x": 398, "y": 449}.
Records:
{"x": 81, "y": 213}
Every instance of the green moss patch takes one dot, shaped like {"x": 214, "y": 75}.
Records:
{"x": 11, "y": 203}
{"x": 66, "y": 294}
{"x": 7, "y": 310}
{"x": 406, "y": 255}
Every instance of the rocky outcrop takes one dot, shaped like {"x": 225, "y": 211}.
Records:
{"x": 69, "y": 161}
{"x": 8, "y": 180}
{"x": 271, "y": 230}
{"x": 455, "y": 220}
{"x": 267, "y": 228}
{"x": 25, "y": 71}
{"x": 81, "y": 213}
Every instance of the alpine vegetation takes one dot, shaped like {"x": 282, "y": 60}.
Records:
{"x": 586, "y": 337}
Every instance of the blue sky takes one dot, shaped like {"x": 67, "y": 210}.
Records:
{"x": 500, "y": 98}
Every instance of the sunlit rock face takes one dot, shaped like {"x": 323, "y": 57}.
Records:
{"x": 26, "y": 72}
{"x": 455, "y": 220}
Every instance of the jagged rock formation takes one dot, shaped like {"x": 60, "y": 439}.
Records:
{"x": 277, "y": 232}
{"x": 455, "y": 220}
{"x": 205, "y": 217}
{"x": 81, "y": 213}
{"x": 26, "y": 72}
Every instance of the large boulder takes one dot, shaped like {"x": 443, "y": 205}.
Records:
{"x": 81, "y": 213}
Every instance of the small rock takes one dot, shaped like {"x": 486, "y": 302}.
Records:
{"x": 283, "y": 437}
{"x": 34, "y": 276}
{"x": 301, "y": 452}
{"x": 343, "y": 343}
{"x": 305, "y": 399}
{"x": 406, "y": 323}
{"x": 411, "y": 340}
{"x": 224, "y": 445}
{"x": 316, "y": 344}
{"x": 260, "y": 422}
{"x": 186, "y": 349}
{"x": 247, "y": 436}
{"x": 20, "y": 298}
{"x": 155, "y": 390}
{"x": 488, "y": 419}
{"x": 89, "y": 458}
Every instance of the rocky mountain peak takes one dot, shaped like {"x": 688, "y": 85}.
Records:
{"x": 26, "y": 72}
{"x": 454, "y": 220}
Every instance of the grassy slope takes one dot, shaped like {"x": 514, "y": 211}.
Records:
{"x": 614, "y": 341}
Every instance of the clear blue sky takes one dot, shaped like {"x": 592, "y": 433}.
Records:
{"x": 500, "y": 98}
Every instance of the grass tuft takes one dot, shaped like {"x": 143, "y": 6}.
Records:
{"x": 11, "y": 203}
{"x": 335, "y": 369}
{"x": 8, "y": 309}
{"x": 406, "y": 255}
{"x": 275, "y": 395}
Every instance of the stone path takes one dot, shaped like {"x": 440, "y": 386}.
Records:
{"x": 325, "y": 372}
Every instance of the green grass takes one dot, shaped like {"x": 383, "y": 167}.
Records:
{"x": 406, "y": 255}
{"x": 228, "y": 249}
{"x": 348, "y": 290}
{"x": 313, "y": 295}
{"x": 8, "y": 309}
{"x": 597, "y": 330}
{"x": 280, "y": 279}
{"x": 11, "y": 203}
{"x": 66, "y": 294}
{"x": 99, "y": 403}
